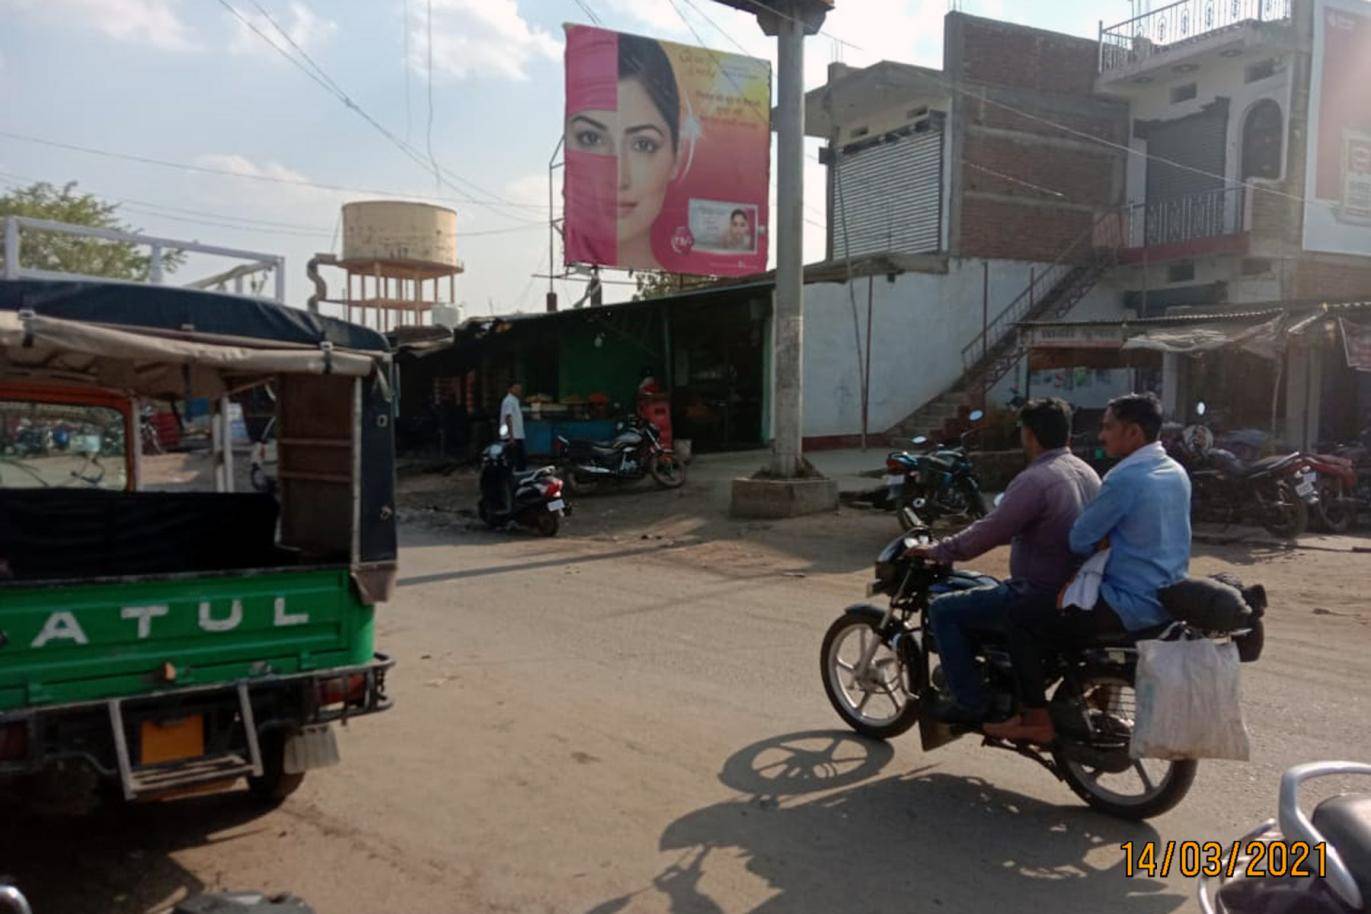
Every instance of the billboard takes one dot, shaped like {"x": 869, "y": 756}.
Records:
{"x": 668, "y": 155}
{"x": 1337, "y": 216}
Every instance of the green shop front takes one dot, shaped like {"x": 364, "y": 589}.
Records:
{"x": 707, "y": 349}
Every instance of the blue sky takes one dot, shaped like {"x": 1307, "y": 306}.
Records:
{"x": 185, "y": 81}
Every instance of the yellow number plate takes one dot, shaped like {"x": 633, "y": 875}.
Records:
{"x": 177, "y": 739}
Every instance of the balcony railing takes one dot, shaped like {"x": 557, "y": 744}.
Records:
{"x": 1209, "y": 214}
{"x": 1132, "y": 42}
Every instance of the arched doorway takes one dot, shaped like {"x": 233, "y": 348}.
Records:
{"x": 1261, "y": 141}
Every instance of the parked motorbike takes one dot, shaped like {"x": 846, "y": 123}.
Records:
{"x": 530, "y": 498}
{"x": 1319, "y": 864}
{"x": 264, "y": 456}
{"x": 1337, "y": 484}
{"x": 635, "y": 452}
{"x": 877, "y": 668}
{"x": 34, "y": 441}
{"x": 1276, "y": 492}
{"x": 934, "y": 482}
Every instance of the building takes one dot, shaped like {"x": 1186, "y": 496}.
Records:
{"x": 1045, "y": 178}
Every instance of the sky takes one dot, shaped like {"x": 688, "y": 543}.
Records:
{"x": 190, "y": 83}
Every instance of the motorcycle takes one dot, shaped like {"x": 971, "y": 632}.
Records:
{"x": 530, "y": 498}
{"x": 1319, "y": 864}
{"x": 636, "y": 451}
{"x": 1276, "y": 492}
{"x": 1336, "y": 510}
{"x": 877, "y": 669}
{"x": 935, "y": 483}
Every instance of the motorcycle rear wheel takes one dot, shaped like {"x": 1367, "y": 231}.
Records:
{"x": 1287, "y": 516}
{"x": 548, "y": 523}
{"x": 857, "y": 702}
{"x": 1164, "y": 782}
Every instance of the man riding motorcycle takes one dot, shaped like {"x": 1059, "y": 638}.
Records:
{"x": 1037, "y": 511}
{"x": 1142, "y": 513}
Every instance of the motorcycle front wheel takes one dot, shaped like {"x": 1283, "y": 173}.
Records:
{"x": 1334, "y": 512}
{"x": 1148, "y": 787}
{"x": 878, "y": 704}
{"x": 1284, "y": 514}
{"x": 668, "y": 471}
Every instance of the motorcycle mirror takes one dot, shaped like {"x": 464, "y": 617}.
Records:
{"x": 921, "y": 439}
{"x": 1200, "y": 408}
{"x": 504, "y": 429}
{"x": 976, "y": 415}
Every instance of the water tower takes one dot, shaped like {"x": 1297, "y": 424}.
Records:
{"x": 396, "y": 256}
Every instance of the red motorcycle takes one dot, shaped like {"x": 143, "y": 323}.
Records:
{"x": 1336, "y": 510}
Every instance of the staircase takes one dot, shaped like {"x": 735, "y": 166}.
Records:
{"x": 998, "y": 348}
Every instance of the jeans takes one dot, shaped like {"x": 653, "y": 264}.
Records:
{"x": 957, "y": 619}
{"x": 1034, "y": 628}
{"x": 518, "y": 458}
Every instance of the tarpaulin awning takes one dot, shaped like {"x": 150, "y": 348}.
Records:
{"x": 153, "y": 365}
{"x": 1265, "y": 339}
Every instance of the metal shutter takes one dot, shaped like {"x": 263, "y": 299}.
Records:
{"x": 1199, "y": 141}
{"x": 893, "y": 194}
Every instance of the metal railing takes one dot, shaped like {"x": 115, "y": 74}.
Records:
{"x": 1102, "y": 235}
{"x": 11, "y": 266}
{"x": 1209, "y": 214}
{"x": 1132, "y": 42}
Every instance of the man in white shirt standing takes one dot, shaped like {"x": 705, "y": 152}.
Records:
{"x": 512, "y": 426}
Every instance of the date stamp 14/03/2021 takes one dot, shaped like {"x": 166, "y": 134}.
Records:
{"x": 1250, "y": 858}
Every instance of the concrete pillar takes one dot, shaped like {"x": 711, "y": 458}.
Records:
{"x": 789, "y": 309}
{"x": 1303, "y": 387}
{"x": 1173, "y": 407}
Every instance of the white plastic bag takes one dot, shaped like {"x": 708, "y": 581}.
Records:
{"x": 1188, "y": 703}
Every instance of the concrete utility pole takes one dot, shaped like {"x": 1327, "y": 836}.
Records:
{"x": 790, "y": 21}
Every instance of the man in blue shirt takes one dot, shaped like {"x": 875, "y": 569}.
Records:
{"x": 1142, "y": 514}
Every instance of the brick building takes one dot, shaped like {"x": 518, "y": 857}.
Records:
{"x": 1045, "y": 177}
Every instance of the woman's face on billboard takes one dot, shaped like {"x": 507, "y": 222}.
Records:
{"x": 640, "y": 137}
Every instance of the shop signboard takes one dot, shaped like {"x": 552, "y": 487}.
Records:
{"x": 668, "y": 154}
{"x": 1337, "y": 216}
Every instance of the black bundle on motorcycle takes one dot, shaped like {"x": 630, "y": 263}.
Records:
{"x": 1220, "y": 603}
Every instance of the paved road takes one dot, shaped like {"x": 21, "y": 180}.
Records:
{"x": 610, "y": 723}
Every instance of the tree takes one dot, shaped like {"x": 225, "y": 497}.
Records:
{"x": 65, "y": 253}
{"x": 656, "y": 284}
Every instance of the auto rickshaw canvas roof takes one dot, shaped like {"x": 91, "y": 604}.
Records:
{"x": 170, "y": 342}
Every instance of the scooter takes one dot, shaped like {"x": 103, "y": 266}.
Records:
{"x": 530, "y": 498}
{"x": 1319, "y": 864}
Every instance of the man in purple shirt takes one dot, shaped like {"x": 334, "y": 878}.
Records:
{"x": 1035, "y": 517}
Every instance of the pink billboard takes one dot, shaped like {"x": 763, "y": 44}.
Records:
{"x": 668, "y": 155}
{"x": 1338, "y": 185}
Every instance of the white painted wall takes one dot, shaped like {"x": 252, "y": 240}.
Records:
{"x": 920, "y": 323}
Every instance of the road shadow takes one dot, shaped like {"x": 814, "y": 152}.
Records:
{"x": 118, "y": 858}
{"x": 827, "y": 831}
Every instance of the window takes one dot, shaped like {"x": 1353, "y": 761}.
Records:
{"x": 1261, "y": 141}
{"x": 1183, "y": 93}
{"x": 54, "y": 445}
{"x": 1260, "y": 70}
{"x": 1256, "y": 266}
{"x": 1181, "y": 272}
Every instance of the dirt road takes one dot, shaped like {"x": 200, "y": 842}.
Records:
{"x": 630, "y": 718}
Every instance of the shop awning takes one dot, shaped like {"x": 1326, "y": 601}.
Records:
{"x": 154, "y": 365}
{"x": 1265, "y": 339}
